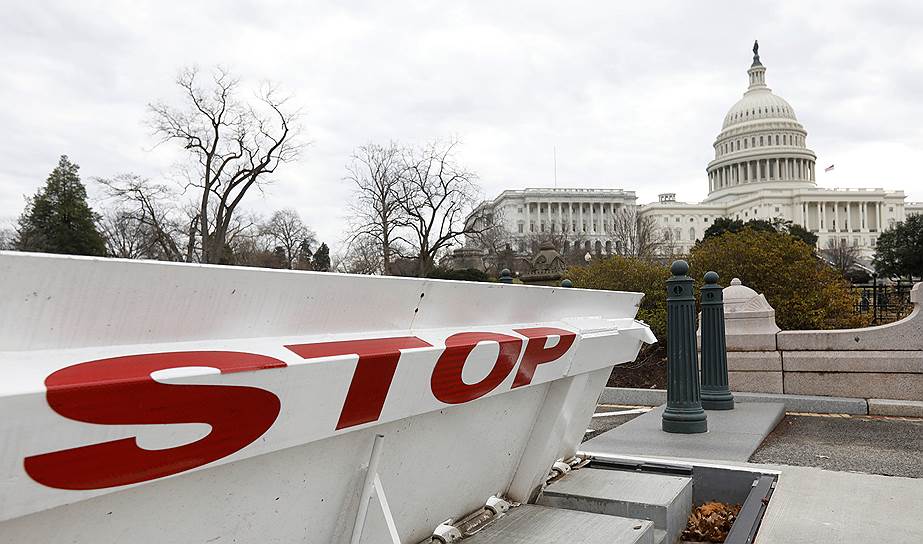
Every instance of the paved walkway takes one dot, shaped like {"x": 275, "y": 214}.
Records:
{"x": 733, "y": 435}
{"x": 813, "y": 505}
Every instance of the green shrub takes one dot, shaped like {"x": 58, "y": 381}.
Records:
{"x": 805, "y": 292}
{"x": 630, "y": 274}
{"x": 467, "y": 274}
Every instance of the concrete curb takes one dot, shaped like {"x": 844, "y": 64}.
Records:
{"x": 901, "y": 408}
{"x": 793, "y": 403}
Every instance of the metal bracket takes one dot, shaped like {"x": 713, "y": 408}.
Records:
{"x": 372, "y": 489}
{"x": 446, "y": 533}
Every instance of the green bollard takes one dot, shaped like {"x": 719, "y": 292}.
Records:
{"x": 684, "y": 413}
{"x": 716, "y": 395}
{"x": 566, "y": 283}
{"x": 506, "y": 276}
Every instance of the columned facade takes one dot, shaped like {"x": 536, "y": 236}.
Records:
{"x": 577, "y": 218}
{"x": 763, "y": 169}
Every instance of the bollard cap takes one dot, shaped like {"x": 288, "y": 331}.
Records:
{"x": 566, "y": 283}
{"x": 711, "y": 277}
{"x": 506, "y": 272}
{"x": 679, "y": 268}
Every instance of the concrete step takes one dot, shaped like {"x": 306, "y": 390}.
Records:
{"x": 531, "y": 524}
{"x": 660, "y": 536}
{"x": 663, "y": 499}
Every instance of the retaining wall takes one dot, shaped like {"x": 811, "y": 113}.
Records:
{"x": 881, "y": 362}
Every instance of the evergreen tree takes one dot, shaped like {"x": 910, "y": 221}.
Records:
{"x": 899, "y": 250}
{"x": 305, "y": 255}
{"x": 58, "y": 219}
{"x": 321, "y": 261}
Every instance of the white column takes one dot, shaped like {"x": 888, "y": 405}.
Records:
{"x": 836, "y": 217}
{"x": 863, "y": 218}
{"x": 528, "y": 216}
{"x": 592, "y": 217}
{"x": 580, "y": 219}
{"x": 878, "y": 221}
{"x": 848, "y": 221}
{"x": 561, "y": 217}
{"x": 823, "y": 216}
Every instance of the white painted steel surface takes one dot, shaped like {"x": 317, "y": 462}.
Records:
{"x": 104, "y": 354}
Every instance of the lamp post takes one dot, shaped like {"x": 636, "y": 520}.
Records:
{"x": 683, "y": 413}
{"x": 716, "y": 395}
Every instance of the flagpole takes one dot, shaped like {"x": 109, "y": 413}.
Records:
{"x": 554, "y": 152}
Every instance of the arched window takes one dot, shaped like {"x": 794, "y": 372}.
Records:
{"x": 692, "y": 234}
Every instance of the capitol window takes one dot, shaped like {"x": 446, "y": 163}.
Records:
{"x": 521, "y": 228}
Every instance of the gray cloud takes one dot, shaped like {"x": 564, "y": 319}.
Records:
{"x": 630, "y": 94}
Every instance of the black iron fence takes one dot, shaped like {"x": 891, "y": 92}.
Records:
{"x": 884, "y": 303}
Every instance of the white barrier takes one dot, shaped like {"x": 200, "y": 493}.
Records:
{"x": 185, "y": 403}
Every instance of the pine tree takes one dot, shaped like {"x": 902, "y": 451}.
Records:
{"x": 58, "y": 219}
{"x": 321, "y": 261}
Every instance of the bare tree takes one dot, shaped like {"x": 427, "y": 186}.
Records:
{"x": 435, "y": 193}
{"x": 841, "y": 255}
{"x": 286, "y": 230}
{"x": 145, "y": 223}
{"x": 376, "y": 214}
{"x": 363, "y": 256}
{"x": 637, "y": 235}
{"x": 7, "y": 238}
{"x": 233, "y": 147}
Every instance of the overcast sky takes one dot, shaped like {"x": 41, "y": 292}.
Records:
{"x": 632, "y": 94}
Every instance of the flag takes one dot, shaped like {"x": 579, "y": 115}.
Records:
{"x": 829, "y": 168}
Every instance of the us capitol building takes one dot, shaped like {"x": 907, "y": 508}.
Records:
{"x": 763, "y": 169}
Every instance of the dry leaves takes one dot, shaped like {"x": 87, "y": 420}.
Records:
{"x": 711, "y": 522}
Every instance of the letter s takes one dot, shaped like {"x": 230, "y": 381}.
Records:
{"x": 120, "y": 391}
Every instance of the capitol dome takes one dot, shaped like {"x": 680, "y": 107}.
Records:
{"x": 761, "y": 142}
{"x": 758, "y": 104}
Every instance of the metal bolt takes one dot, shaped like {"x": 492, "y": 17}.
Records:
{"x": 716, "y": 395}
{"x": 683, "y": 413}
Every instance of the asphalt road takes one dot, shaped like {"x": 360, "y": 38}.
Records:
{"x": 869, "y": 444}
{"x": 887, "y": 446}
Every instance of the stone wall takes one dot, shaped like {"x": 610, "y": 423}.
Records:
{"x": 882, "y": 362}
